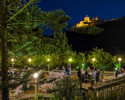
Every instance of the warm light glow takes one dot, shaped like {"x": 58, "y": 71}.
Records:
{"x": 12, "y": 59}
{"x": 115, "y": 68}
{"x": 86, "y": 21}
{"x": 93, "y": 59}
{"x": 119, "y": 59}
{"x": 35, "y": 75}
{"x": 29, "y": 60}
{"x": 48, "y": 60}
{"x": 96, "y": 19}
{"x": 70, "y": 59}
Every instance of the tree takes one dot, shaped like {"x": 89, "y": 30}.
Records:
{"x": 23, "y": 42}
{"x": 67, "y": 88}
{"x": 102, "y": 58}
{"x": 4, "y": 49}
{"x": 87, "y": 30}
{"x": 80, "y": 58}
{"x": 4, "y": 52}
{"x": 56, "y": 20}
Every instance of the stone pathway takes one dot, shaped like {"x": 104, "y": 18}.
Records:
{"x": 26, "y": 96}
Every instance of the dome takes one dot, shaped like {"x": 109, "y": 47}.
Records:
{"x": 96, "y": 19}
{"x": 86, "y": 18}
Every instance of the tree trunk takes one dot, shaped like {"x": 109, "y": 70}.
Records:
{"x": 4, "y": 52}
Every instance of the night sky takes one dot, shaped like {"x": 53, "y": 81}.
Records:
{"x": 78, "y": 9}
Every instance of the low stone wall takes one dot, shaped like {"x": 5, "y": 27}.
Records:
{"x": 109, "y": 75}
{"x": 105, "y": 90}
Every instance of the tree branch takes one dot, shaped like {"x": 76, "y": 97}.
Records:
{"x": 19, "y": 11}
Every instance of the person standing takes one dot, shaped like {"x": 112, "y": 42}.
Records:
{"x": 94, "y": 68}
{"x": 97, "y": 75}
{"x": 63, "y": 69}
{"x": 67, "y": 71}
{"x": 94, "y": 75}
{"x": 79, "y": 74}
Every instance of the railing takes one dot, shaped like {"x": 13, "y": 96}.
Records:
{"x": 109, "y": 87}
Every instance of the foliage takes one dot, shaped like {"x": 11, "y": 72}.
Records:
{"x": 24, "y": 88}
{"x": 25, "y": 41}
{"x": 83, "y": 30}
{"x": 95, "y": 30}
{"x": 62, "y": 59}
{"x": 80, "y": 59}
{"x": 67, "y": 88}
{"x": 102, "y": 58}
{"x": 60, "y": 42}
{"x": 52, "y": 97}
{"x": 56, "y": 20}
{"x": 93, "y": 97}
{"x": 87, "y": 30}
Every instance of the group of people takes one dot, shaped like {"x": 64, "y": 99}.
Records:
{"x": 66, "y": 70}
{"x": 119, "y": 71}
{"x": 94, "y": 73}
{"x": 88, "y": 74}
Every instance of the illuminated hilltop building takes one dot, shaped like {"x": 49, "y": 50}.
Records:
{"x": 96, "y": 18}
{"x": 87, "y": 21}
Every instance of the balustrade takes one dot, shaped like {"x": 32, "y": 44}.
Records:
{"x": 116, "y": 85}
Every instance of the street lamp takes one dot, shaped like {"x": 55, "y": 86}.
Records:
{"x": 69, "y": 65}
{"x": 35, "y": 76}
{"x": 48, "y": 60}
{"x": 29, "y": 60}
{"x": 119, "y": 59}
{"x": 93, "y": 59}
{"x": 70, "y": 60}
{"x": 48, "y": 65}
{"x": 12, "y": 62}
{"x": 115, "y": 68}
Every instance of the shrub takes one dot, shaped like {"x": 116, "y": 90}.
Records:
{"x": 67, "y": 88}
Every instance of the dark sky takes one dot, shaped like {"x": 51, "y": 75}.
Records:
{"x": 78, "y": 9}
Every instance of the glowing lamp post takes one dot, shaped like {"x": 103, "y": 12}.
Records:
{"x": 119, "y": 59}
{"x": 12, "y": 62}
{"x": 29, "y": 60}
{"x": 48, "y": 60}
{"x": 48, "y": 65}
{"x": 70, "y": 65}
{"x": 35, "y": 76}
{"x": 115, "y": 68}
{"x": 70, "y": 60}
{"x": 93, "y": 59}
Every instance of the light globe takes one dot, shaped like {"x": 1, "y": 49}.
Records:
{"x": 70, "y": 60}
{"x": 48, "y": 59}
{"x": 12, "y": 59}
{"x": 119, "y": 59}
{"x": 29, "y": 59}
{"x": 93, "y": 59}
{"x": 35, "y": 75}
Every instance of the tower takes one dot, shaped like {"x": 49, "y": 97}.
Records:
{"x": 96, "y": 18}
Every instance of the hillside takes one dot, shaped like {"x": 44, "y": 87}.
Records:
{"x": 112, "y": 39}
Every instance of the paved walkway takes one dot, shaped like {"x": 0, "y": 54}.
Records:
{"x": 26, "y": 96}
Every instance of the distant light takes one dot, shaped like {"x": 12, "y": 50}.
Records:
{"x": 12, "y": 59}
{"x": 48, "y": 60}
{"x": 93, "y": 59}
{"x": 119, "y": 59}
{"x": 115, "y": 68}
{"x": 29, "y": 60}
{"x": 70, "y": 59}
{"x": 35, "y": 75}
